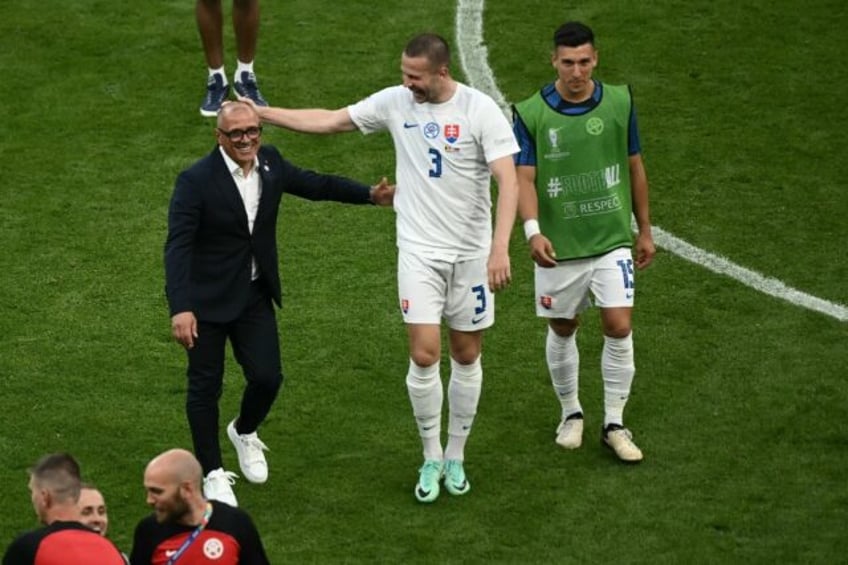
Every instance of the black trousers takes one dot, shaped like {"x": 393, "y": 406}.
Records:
{"x": 256, "y": 346}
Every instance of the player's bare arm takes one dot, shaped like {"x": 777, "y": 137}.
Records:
{"x": 541, "y": 249}
{"x": 644, "y": 250}
{"x": 503, "y": 169}
{"x": 307, "y": 120}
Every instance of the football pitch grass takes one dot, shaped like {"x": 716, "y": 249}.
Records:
{"x": 739, "y": 398}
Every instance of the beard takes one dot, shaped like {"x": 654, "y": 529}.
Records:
{"x": 174, "y": 514}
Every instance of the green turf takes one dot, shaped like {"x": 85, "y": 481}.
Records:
{"x": 739, "y": 400}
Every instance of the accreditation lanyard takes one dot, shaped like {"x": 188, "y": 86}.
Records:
{"x": 190, "y": 539}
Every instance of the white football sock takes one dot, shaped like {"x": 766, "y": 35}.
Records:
{"x": 464, "y": 388}
{"x": 425, "y": 393}
{"x": 617, "y": 368}
{"x": 564, "y": 367}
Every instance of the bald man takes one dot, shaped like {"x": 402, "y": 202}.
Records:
{"x": 186, "y": 526}
{"x": 222, "y": 281}
{"x": 54, "y": 485}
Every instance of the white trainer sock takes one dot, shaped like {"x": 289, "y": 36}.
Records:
{"x": 425, "y": 393}
{"x": 464, "y": 388}
{"x": 242, "y": 67}
{"x": 564, "y": 367}
{"x": 220, "y": 71}
{"x": 617, "y": 368}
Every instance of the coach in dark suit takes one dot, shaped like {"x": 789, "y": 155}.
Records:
{"x": 222, "y": 276}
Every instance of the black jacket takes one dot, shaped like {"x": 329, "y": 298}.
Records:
{"x": 209, "y": 245}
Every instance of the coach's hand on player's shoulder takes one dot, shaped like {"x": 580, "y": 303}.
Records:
{"x": 184, "y": 328}
{"x": 542, "y": 251}
{"x": 383, "y": 193}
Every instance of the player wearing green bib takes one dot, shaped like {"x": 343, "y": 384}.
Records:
{"x": 582, "y": 173}
{"x": 581, "y": 178}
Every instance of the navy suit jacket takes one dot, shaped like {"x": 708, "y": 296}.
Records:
{"x": 209, "y": 246}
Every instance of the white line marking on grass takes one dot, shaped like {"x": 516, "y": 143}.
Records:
{"x": 474, "y": 58}
{"x": 473, "y": 55}
{"x": 755, "y": 280}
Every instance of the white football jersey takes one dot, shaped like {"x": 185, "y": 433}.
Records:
{"x": 443, "y": 198}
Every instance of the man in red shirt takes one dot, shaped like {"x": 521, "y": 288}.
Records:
{"x": 54, "y": 484}
{"x": 185, "y": 527}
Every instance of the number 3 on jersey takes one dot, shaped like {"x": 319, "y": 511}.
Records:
{"x": 436, "y": 162}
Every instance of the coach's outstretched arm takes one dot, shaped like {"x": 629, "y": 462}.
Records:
{"x": 307, "y": 120}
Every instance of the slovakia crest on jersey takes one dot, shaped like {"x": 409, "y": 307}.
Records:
{"x": 451, "y": 132}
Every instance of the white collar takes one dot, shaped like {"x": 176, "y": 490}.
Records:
{"x": 234, "y": 167}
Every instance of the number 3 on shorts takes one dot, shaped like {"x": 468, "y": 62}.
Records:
{"x": 480, "y": 291}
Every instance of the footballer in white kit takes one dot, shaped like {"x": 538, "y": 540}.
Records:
{"x": 443, "y": 199}
{"x": 449, "y": 141}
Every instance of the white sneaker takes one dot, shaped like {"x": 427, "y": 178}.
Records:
{"x": 570, "y": 432}
{"x": 620, "y": 440}
{"x": 251, "y": 459}
{"x": 218, "y": 486}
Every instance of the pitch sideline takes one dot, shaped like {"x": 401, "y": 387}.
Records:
{"x": 474, "y": 58}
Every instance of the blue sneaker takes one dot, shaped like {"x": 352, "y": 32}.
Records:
{"x": 427, "y": 489}
{"x": 246, "y": 87}
{"x": 455, "y": 480}
{"x": 216, "y": 94}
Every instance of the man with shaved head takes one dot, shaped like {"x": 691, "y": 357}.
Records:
{"x": 54, "y": 485}
{"x": 222, "y": 279}
{"x": 185, "y": 527}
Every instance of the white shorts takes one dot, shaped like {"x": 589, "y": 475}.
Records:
{"x": 563, "y": 291}
{"x": 429, "y": 290}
